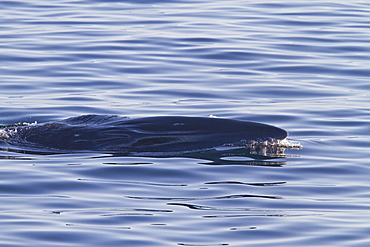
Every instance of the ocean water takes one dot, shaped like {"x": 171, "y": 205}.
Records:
{"x": 299, "y": 65}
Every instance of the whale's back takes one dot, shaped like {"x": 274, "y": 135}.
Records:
{"x": 150, "y": 134}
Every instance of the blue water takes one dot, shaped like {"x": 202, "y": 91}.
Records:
{"x": 299, "y": 65}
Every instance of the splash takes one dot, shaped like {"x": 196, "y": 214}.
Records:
{"x": 9, "y": 131}
{"x": 270, "y": 147}
{"x": 273, "y": 148}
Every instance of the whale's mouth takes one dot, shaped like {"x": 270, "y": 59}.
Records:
{"x": 284, "y": 143}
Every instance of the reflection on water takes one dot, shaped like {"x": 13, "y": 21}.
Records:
{"x": 233, "y": 156}
{"x": 204, "y": 198}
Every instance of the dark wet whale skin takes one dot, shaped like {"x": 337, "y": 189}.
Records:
{"x": 150, "y": 134}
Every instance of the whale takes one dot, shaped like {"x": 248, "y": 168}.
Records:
{"x": 117, "y": 134}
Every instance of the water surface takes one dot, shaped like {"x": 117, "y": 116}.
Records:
{"x": 298, "y": 65}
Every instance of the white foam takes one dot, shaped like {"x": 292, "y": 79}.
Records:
{"x": 285, "y": 143}
{"x": 271, "y": 147}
